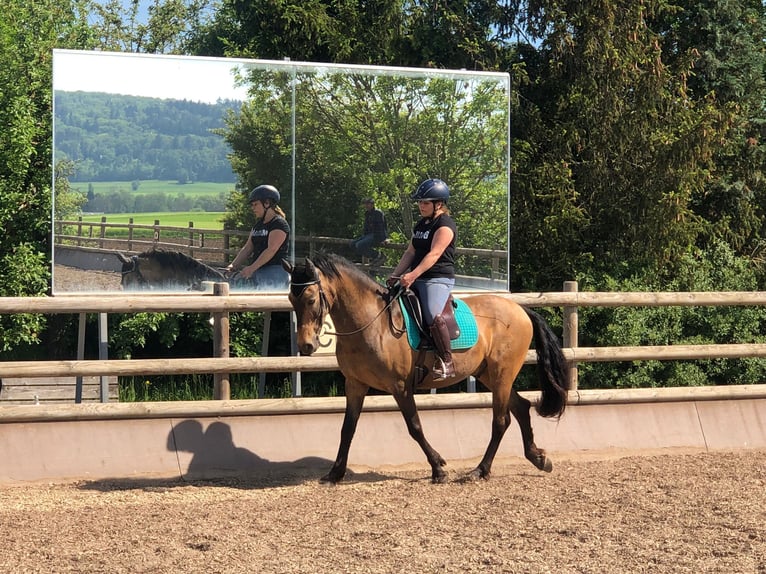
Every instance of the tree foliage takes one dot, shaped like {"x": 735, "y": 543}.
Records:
{"x": 637, "y": 153}
{"x": 28, "y": 32}
{"x": 111, "y": 137}
{"x": 118, "y": 26}
{"x": 456, "y": 34}
{"x": 361, "y": 135}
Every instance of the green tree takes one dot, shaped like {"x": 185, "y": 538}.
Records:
{"x": 613, "y": 148}
{"x": 375, "y": 135}
{"x": 28, "y": 32}
{"x": 432, "y": 33}
{"x": 724, "y": 40}
{"x": 167, "y": 30}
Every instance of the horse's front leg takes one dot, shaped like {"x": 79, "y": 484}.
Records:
{"x": 355, "y": 393}
{"x": 406, "y": 402}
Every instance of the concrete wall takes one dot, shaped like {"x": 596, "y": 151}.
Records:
{"x": 209, "y": 439}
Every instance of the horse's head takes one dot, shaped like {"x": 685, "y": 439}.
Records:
{"x": 309, "y": 302}
{"x": 131, "y": 275}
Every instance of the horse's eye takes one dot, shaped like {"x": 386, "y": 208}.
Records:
{"x": 312, "y": 301}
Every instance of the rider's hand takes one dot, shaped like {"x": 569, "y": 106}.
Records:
{"x": 406, "y": 280}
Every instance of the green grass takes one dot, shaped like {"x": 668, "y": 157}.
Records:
{"x": 170, "y": 188}
{"x": 201, "y": 219}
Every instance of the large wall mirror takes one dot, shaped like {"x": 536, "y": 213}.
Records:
{"x": 159, "y": 154}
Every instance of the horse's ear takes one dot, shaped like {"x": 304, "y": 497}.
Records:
{"x": 287, "y": 266}
{"x": 311, "y": 269}
{"x": 122, "y": 258}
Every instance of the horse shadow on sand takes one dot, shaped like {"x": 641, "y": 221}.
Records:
{"x": 217, "y": 461}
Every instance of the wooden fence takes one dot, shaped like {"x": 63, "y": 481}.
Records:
{"x": 221, "y": 304}
{"x": 214, "y": 246}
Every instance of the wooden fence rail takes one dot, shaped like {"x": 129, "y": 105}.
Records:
{"x": 212, "y": 245}
{"x": 138, "y": 367}
{"x": 221, "y": 305}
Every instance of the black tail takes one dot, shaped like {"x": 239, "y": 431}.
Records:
{"x": 552, "y": 369}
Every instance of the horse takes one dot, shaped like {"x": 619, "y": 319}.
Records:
{"x": 373, "y": 352}
{"x": 161, "y": 269}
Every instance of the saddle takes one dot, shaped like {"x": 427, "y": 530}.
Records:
{"x": 461, "y": 324}
{"x": 411, "y": 304}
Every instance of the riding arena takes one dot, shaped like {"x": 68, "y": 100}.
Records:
{"x": 659, "y": 480}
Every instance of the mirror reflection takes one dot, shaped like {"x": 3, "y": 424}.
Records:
{"x": 157, "y": 159}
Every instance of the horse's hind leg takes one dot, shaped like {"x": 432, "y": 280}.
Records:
{"x": 520, "y": 408}
{"x": 406, "y": 402}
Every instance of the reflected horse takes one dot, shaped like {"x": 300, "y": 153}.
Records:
{"x": 373, "y": 352}
{"x": 169, "y": 270}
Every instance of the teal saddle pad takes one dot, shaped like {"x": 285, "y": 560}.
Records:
{"x": 466, "y": 322}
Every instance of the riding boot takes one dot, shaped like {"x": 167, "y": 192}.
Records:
{"x": 443, "y": 367}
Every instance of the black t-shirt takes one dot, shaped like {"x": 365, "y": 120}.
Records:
{"x": 260, "y": 238}
{"x": 422, "y": 237}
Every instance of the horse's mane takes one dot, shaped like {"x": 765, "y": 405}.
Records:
{"x": 181, "y": 261}
{"x": 335, "y": 266}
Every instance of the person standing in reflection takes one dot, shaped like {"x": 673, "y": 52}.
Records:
{"x": 428, "y": 266}
{"x": 267, "y": 243}
{"x": 374, "y": 232}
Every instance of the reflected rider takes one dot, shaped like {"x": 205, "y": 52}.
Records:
{"x": 267, "y": 243}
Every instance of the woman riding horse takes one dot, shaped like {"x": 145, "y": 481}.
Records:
{"x": 267, "y": 243}
{"x": 428, "y": 266}
{"x": 373, "y": 352}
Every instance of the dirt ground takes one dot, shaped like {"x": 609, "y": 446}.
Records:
{"x": 667, "y": 513}
{"x": 679, "y": 513}
{"x": 73, "y": 280}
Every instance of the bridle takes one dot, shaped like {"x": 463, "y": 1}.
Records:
{"x": 324, "y": 308}
{"x": 141, "y": 280}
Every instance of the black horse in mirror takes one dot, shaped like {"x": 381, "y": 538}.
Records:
{"x": 158, "y": 269}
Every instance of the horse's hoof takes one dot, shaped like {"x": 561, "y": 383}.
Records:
{"x": 476, "y": 475}
{"x": 544, "y": 464}
{"x": 330, "y": 479}
{"x": 439, "y": 478}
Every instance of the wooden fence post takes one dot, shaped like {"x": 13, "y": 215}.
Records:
{"x": 569, "y": 332}
{"x": 130, "y": 235}
{"x": 102, "y": 232}
{"x": 264, "y": 352}
{"x": 221, "y": 384}
{"x": 191, "y": 239}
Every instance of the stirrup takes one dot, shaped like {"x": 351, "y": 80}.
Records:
{"x": 442, "y": 370}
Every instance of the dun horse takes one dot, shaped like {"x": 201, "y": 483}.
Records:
{"x": 373, "y": 352}
{"x": 160, "y": 269}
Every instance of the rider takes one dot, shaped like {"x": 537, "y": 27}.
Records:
{"x": 267, "y": 243}
{"x": 428, "y": 266}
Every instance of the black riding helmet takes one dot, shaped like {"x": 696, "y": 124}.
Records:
{"x": 431, "y": 190}
{"x": 264, "y": 192}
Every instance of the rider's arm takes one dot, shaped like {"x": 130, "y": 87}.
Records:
{"x": 242, "y": 256}
{"x": 404, "y": 263}
{"x": 276, "y": 238}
